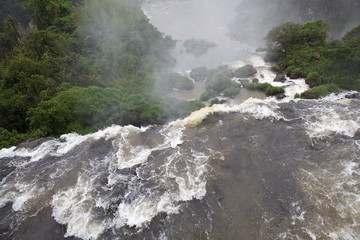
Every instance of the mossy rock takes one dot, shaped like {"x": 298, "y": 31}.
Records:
{"x": 272, "y": 91}
{"x": 313, "y": 79}
{"x": 320, "y": 91}
{"x": 232, "y": 91}
{"x": 198, "y": 46}
{"x": 245, "y": 71}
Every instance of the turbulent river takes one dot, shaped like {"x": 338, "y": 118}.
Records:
{"x": 253, "y": 169}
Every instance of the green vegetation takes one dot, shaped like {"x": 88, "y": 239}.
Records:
{"x": 303, "y": 51}
{"x": 232, "y": 92}
{"x": 263, "y": 87}
{"x": 169, "y": 80}
{"x": 272, "y": 91}
{"x": 198, "y": 46}
{"x": 320, "y": 91}
{"x": 208, "y": 94}
{"x": 215, "y": 101}
{"x": 83, "y": 67}
{"x": 256, "y": 17}
{"x": 313, "y": 79}
{"x": 256, "y": 86}
{"x": 245, "y": 71}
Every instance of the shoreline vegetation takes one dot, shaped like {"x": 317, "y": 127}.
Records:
{"x": 79, "y": 66}
{"x": 82, "y": 65}
{"x": 302, "y": 51}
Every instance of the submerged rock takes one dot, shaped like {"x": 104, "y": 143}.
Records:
{"x": 32, "y": 143}
{"x": 280, "y": 96}
{"x": 353, "y": 95}
{"x": 198, "y": 46}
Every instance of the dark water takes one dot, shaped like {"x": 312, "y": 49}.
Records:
{"x": 239, "y": 174}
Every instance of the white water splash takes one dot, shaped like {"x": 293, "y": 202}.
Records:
{"x": 325, "y": 121}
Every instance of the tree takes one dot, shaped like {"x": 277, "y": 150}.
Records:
{"x": 46, "y": 11}
{"x": 314, "y": 33}
{"x": 10, "y": 37}
{"x": 283, "y": 36}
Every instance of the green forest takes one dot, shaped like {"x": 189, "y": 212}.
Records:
{"x": 256, "y": 17}
{"x": 79, "y": 66}
{"x": 82, "y": 65}
{"x": 303, "y": 52}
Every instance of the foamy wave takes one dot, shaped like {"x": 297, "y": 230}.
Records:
{"x": 74, "y": 207}
{"x": 260, "y": 109}
{"x": 257, "y": 108}
{"x": 324, "y": 122}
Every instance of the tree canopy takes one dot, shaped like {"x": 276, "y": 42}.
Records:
{"x": 81, "y": 68}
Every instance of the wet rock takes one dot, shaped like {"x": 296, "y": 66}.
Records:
{"x": 255, "y": 80}
{"x": 261, "y": 75}
{"x": 32, "y": 143}
{"x": 280, "y": 96}
{"x": 357, "y": 135}
{"x": 355, "y": 95}
{"x": 280, "y": 77}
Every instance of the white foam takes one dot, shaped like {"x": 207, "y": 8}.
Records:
{"x": 324, "y": 122}
{"x": 260, "y": 109}
{"x": 129, "y": 155}
{"x": 298, "y": 86}
{"x": 74, "y": 208}
{"x": 7, "y": 152}
{"x": 142, "y": 210}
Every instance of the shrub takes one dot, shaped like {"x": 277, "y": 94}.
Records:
{"x": 232, "y": 91}
{"x": 184, "y": 83}
{"x": 219, "y": 82}
{"x": 169, "y": 80}
{"x": 271, "y": 90}
{"x": 8, "y": 139}
{"x": 87, "y": 109}
{"x": 255, "y": 86}
{"x": 245, "y": 71}
{"x": 214, "y": 101}
{"x": 275, "y": 68}
{"x": 320, "y": 91}
{"x": 207, "y": 95}
{"x": 313, "y": 79}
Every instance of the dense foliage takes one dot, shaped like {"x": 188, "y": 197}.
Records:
{"x": 245, "y": 71}
{"x": 302, "y": 50}
{"x": 319, "y": 91}
{"x": 263, "y": 87}
{"x": 256, "y": 17}
{"x": 81, "y": 68}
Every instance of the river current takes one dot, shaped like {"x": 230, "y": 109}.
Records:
{"x": 254, "y": 168}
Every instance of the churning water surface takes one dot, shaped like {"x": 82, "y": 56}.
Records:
{"x": 260, "y": 169}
